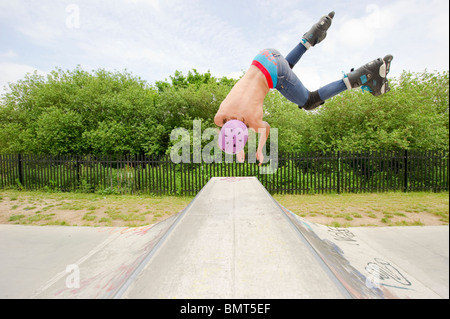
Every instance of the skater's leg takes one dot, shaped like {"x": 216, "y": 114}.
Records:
{"x": 318, "y": 32}
{"x": 332, "y": 89}
{"x": 295, "y": 55}
{"x": 326, "y": 92}
{"x": 315, "y": 35}
{"x": 305, "y": 99}
{"x": 290, "y": 86}
{"x": 371, "y": 76}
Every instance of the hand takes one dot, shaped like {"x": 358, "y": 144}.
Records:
{"x": 260, "y": 157}
{"x": 241, "y": 156}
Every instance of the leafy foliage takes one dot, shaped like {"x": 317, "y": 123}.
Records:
{"x": 413, "y": 115}
{"x": 103, "y": 112}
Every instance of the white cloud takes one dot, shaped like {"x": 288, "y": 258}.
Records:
{"x": 9, "y": 54}
{"x": 311, "y": 76}
{"x": 177, "y": 35}
{"x": 153, "y": 38}
{"x": 153, "y": 3}
{"x": 40, "y": 22}
{"x": 365, "y": 31}
{"x": 12, "y": 72}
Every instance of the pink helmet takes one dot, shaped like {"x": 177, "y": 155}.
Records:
{"x": 233, "y": 137}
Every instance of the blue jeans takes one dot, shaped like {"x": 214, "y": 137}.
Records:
{"x": 290, "y": 86}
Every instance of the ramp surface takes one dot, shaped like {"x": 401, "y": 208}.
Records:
{"x": 233, "y": 241}
{"x": 38, "y": 262}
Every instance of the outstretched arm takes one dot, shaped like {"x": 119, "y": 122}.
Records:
{"x": 264, "y": 131}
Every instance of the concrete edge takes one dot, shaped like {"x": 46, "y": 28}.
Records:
{"x": 311, "y": 248}
{"x": 129, "y": 281}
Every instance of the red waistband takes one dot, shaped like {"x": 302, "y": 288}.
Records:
{"x": 265, "y": 72}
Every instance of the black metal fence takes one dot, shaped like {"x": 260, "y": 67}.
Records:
{"x": 293, "y": 173}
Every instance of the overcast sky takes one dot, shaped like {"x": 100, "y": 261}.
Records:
{"x": 154, "y": 38}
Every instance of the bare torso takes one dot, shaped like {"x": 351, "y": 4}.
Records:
{"x": 245, "y": 101}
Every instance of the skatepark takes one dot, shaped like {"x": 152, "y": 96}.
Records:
{"x": 233, "y": 241}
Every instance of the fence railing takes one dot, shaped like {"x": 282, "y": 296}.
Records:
{"x": 294, "y": 173}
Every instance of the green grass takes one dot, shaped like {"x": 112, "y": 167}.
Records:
{"x": 14, "y": 218}
{"x": 374, "y": 209}
{"x": 89, "y": 217}
{"x": 344, "y": 210}
{"x": 20, "y": 207}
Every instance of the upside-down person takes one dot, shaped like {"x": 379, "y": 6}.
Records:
{"x": 243, "y": 107}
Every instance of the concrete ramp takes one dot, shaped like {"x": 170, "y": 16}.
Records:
{"x": 72, "y": 262}
{"x": 395, "y": 262}
{"x": 234, "y": 241}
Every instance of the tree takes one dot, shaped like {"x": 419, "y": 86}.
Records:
{"x": 69, "y": 111}
{"x": 413, "y": 115}
{"x": 102, "y": 112}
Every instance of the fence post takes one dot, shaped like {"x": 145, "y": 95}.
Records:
{"x": 405, "y": 173}
{"x": 182, "y": 188}
{"x": 20, "y": 169}
{"x": 338, "y": 172}
{"x": 77, "y": 161}
{"x": 173, "y": 175}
